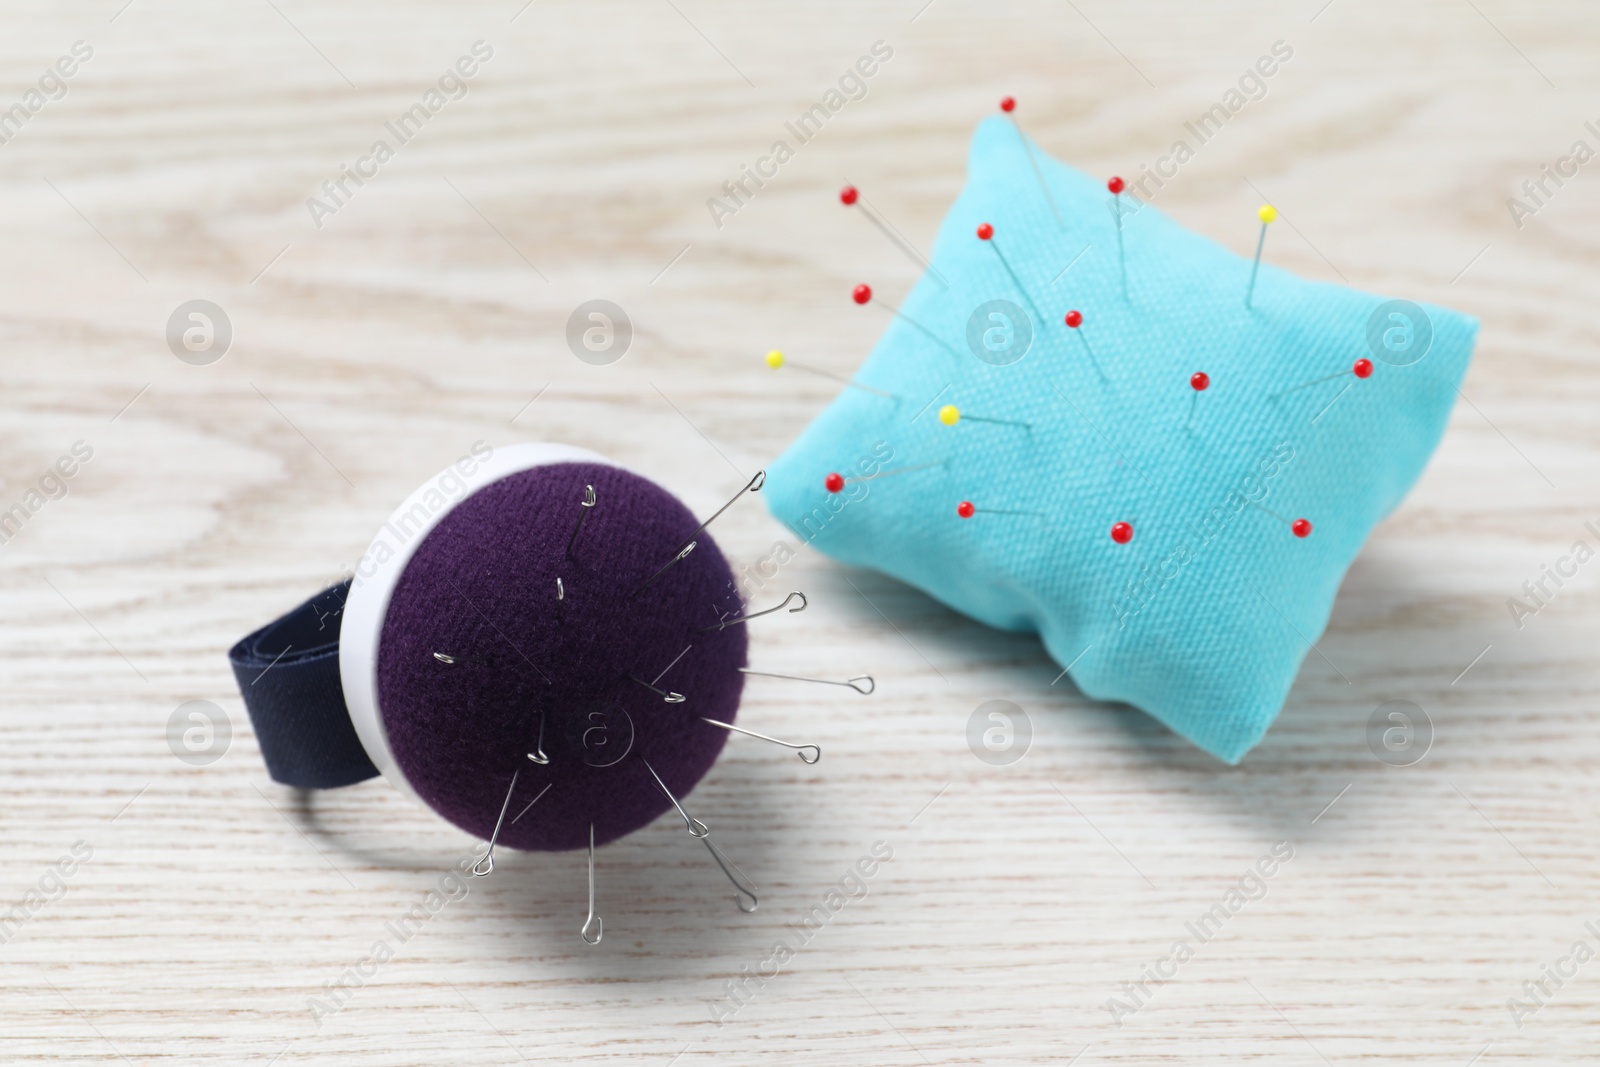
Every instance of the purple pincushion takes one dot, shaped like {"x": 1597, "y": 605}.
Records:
{"x": 481, "y": 589}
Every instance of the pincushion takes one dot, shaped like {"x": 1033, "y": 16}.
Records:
{"x": 481, "y": 588}
{"x": 1072, "y": 478}
{"x": 524, "y": 665}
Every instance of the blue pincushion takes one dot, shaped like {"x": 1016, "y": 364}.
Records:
{"x": 1321, "y": 404}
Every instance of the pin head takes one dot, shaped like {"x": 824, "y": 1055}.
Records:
{"x": 1116, "y": 185}
{"x": 985, "y": 231}
{"x": 1301, "y": 527}
{"x": 862, "y": 294}
{"x": 1122, "y": 532}
{"x": 847, "y": 195}
{"x": 949, "y": 414}
{"x": 1008, "y": 103}
{"x": 834, "y": 482}
{"x": 774, "y": 359}
{"x": 1267, "y": 213}
{"x": 1074, "y": 319}
{"x": 1199, "y": 381}
{"x": 965, "y": 509}
{"x": 1362, "y": 368}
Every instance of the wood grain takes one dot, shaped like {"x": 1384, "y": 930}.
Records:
{"x": 430, "y": 309}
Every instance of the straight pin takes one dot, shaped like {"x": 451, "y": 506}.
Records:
{"x": 1361, "y": 368}
{"x": 1074, "y": 319}
{"x": 1267, "y": 214}
{"x": 776, "y": 359}
{"x": 950, "y": 415}
{"x": 986, "y": 235}
{"x": 863, "y": 293}
{"x": 725, "y": 623}
{"x": 1116, "y": 185}
{"x": 752, "y": 486}
{"x": 538, "y": 755}
{"x": 966, "y": 509}
{"x": 485, "y": 865}
{"x": 807, "y": 753}
{"x": 1299, "y": 527}
{"x": 851, "y": 683}
{"x": 1199, "y": 382}
{"x": 1009, "y": 105}
{"x": 586, "y": 507}
{"x": 850, "y": 196}
{"x": 835, "y": 482}
{"x": 670, "y": 698}
{"x": 697, "y": 829}
{"x": 593, "y": 919}
{"x": 474, "y": 660}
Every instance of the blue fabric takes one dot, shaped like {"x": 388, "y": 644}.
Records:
{"x": 1204, "y": 617}
{"x": 288, "y": 674}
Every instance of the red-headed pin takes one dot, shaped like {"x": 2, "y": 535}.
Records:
{"x": 1122, "y": 532}
{"x": 835, "y": 482}
{"x": 1074, "y": 321}
{"x": 1199, "y": 381}
{"x": 1116, "y": 185}
{"x": 986, "y": 235}
{"x": 1298, "y": 527}
{"x": 863, "y": 295}
{"x": 966, "y": 509}
{"x": 1009, "y": 106}
{"x": 850, "y": 196}
{"x": 1361, "y": 368}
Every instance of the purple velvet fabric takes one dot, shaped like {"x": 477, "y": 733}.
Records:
{"x": 482, "y": 588}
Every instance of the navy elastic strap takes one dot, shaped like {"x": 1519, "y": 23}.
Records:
{"x": 288, "y": 672}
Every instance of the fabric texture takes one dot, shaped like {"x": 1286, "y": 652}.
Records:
{"x": 288, "y": 673}
{"x": 1203, "y": 617}
{"x": 481, "y": 589}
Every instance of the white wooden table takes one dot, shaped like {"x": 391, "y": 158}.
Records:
{"x": 214, "y": 907}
